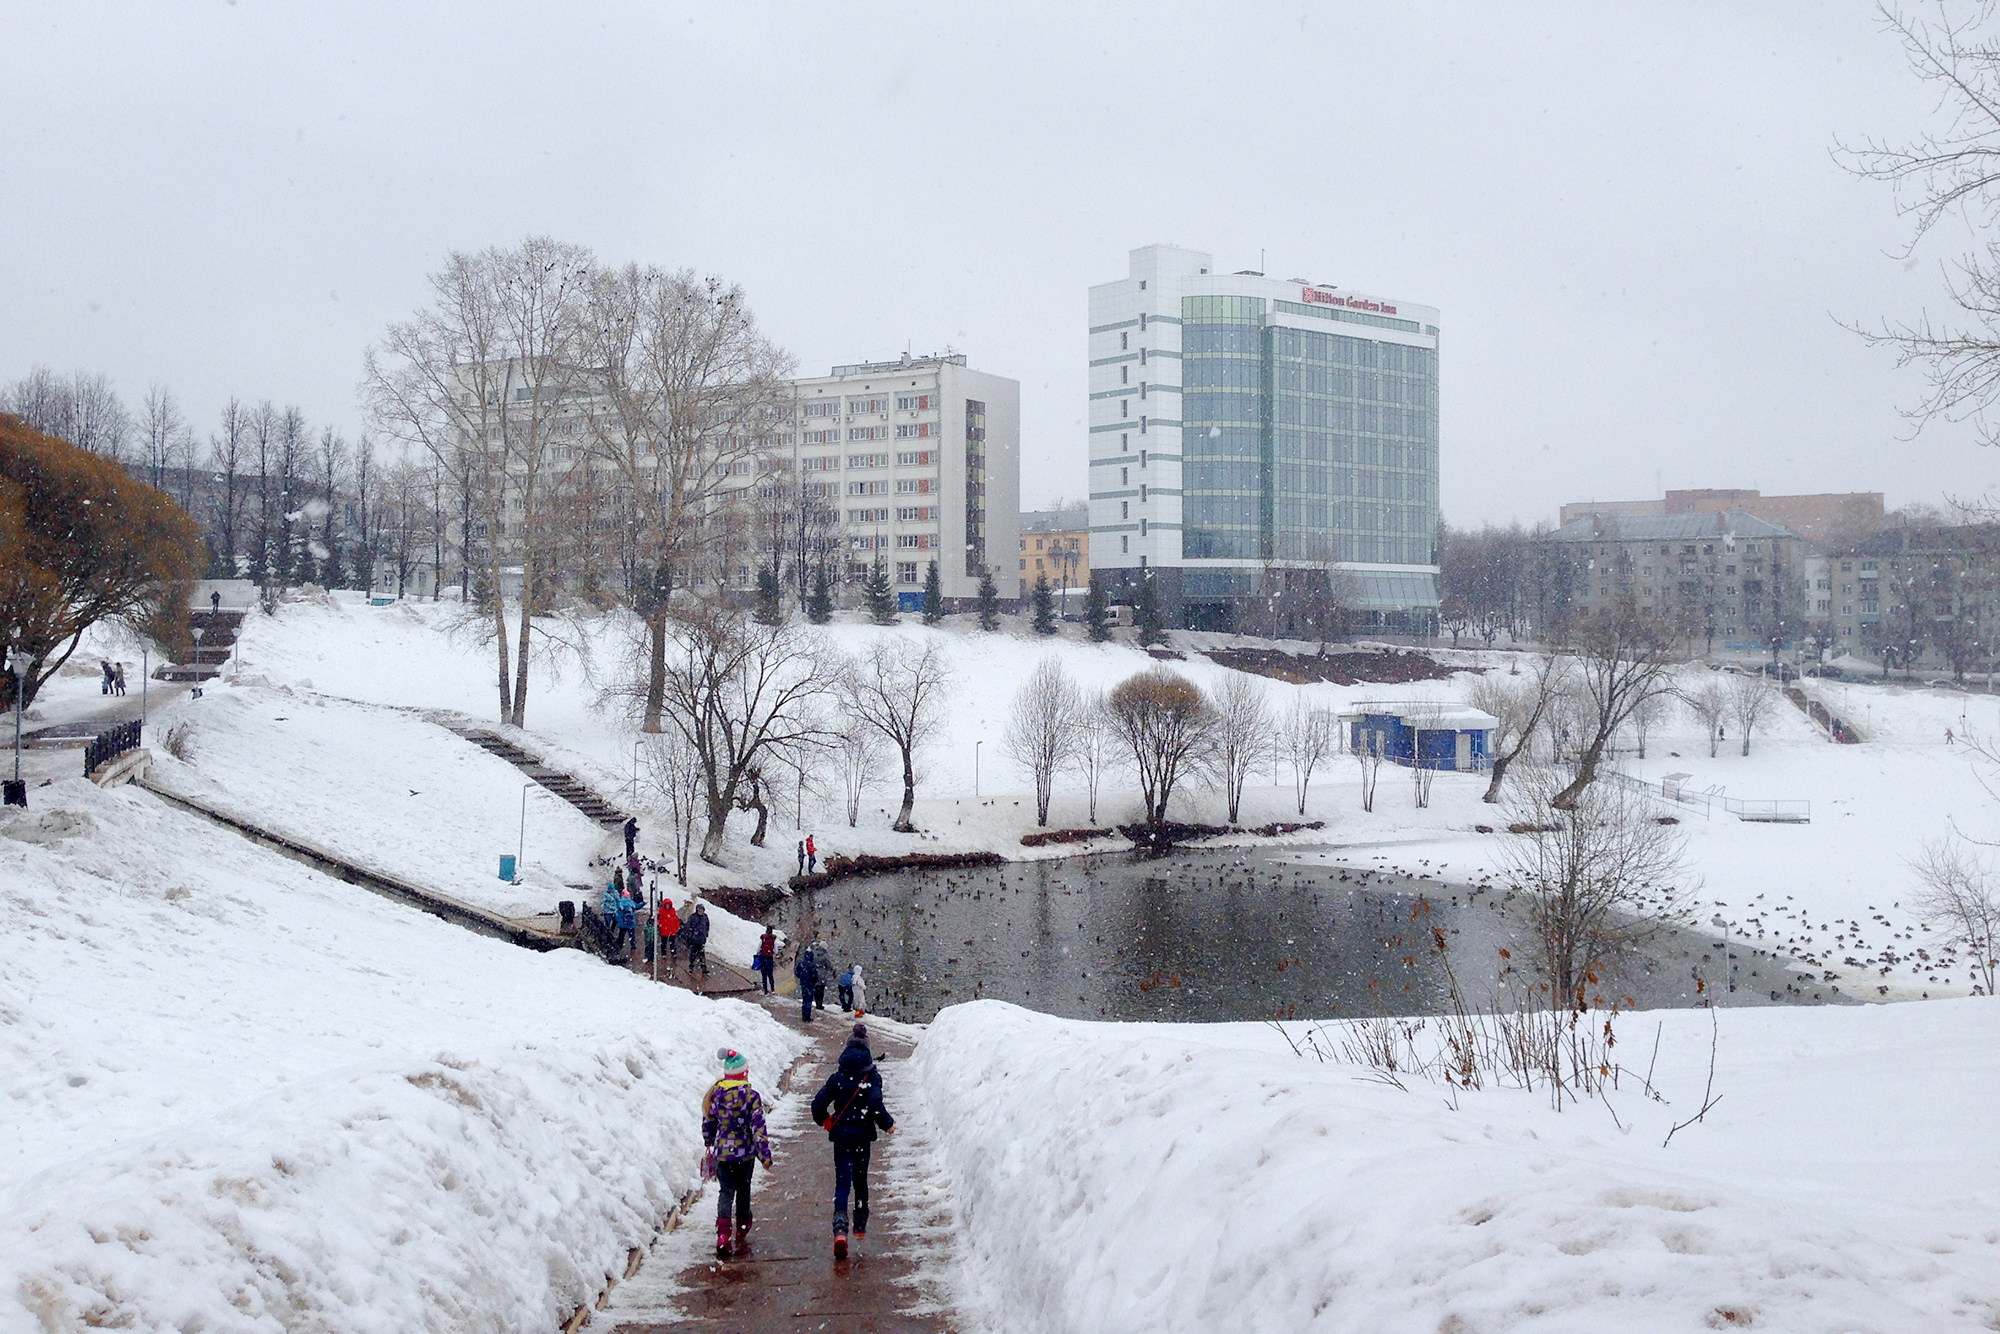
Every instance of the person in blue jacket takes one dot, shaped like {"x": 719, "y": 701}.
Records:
{"x": 807, "y": 972}
{"x": 607, "y": 908}
{"x": 628, "y": 923}
{"x": 849, "y": 1108}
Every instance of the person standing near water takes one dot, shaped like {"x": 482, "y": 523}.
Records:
{"x": 860, "y": 988}
{"x": 767, "y": 959}
{"x": 849, "y": 1108}
{"x": 807, "y": 974}
{"x": 732, "y": 1126}
{"x": 812, "y": 854}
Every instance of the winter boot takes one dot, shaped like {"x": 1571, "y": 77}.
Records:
{"x": 743, "y": 1239}
{"x": 722, "y": 1239}
{"x": 840, "y": 1239}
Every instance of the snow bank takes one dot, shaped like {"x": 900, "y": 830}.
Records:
{"x": 243, "y": 1096}
{"x": 1203, "y": 1177}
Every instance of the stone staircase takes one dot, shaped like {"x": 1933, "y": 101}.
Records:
{"x": 565, "y": 785}
{"x": 219, "y": 630}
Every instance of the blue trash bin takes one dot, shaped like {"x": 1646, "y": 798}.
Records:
{"x": 507, "y": 868}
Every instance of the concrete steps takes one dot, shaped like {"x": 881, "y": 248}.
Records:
{"x": 565, "y": 785}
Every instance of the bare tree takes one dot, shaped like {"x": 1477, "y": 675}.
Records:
{"x": 1519, "y": 706}
{"x": 1750, "y": 701}
{"x": 1307, "y": 739}
{"x": 1959, "y": 889}
{"x": 1648, "y": 715}
{"x": 1951, "y": 171}
{"x": 1620, "y": 662}
{"x": 1420, "y": 719}
{"x": 226, "y": 456}
{"x": 860, "y": 750}
{"x": 1168, "y": 728}
{"x": 673, "y": 772}
{"x": 1366, "y": 747}
{"x": 1095, "y": 745}
{"x": 899, "y": 689}
{"x": 1598, "y": 871}
{"x": 1707, "y": 702}
{"x": 330, "y": 463}
{"x": 738, "y": 691}
{"x": 1242, "y": 739}
{"x": 1041, "y": 730}
{"x": 163, "y": 434}
{"x": 81, "y": 408}
{"x": 686, "y": 395}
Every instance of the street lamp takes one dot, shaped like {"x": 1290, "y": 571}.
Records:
{"x": 521, "y": 843}
{"x": 975, "y": 766}
{"x": 19, "y": 660}
{"x": 197, "y": 662}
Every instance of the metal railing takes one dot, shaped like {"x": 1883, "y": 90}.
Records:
{"x": 109, "y": 745}
{"x": 1781, "y": 811}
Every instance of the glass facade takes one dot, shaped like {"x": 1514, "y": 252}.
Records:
{"x": 1301, "y": 445}
{"x": 975, "y": 487}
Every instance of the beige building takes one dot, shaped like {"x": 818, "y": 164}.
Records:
{"x": 1822, "y": 520}
{"x": 1055, "y": 544}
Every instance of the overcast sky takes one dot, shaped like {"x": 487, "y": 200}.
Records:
{"x": 1627, "y": 214}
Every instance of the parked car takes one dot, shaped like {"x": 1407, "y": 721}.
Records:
{"x": 1944, "y": 685}
{"x": 1729, "y": 667}
{"x": 1784, "y": 671}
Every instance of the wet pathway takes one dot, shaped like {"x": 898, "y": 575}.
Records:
{"x": 892, "y": 1283}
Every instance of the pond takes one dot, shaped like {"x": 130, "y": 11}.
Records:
{"x": 1239, "y": 934}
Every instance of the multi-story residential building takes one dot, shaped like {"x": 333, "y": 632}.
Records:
{"x": 921, "y": 457}
{"x": 1247, "y": 434}
{"x": 1055, "y": 545}
{"x": 1907, "y": 593}
{"x": 1820, "y": 519}
{"x": 1727, "y": 578}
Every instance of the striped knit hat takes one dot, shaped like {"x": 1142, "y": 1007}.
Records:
{"x": 732, "y": 1062}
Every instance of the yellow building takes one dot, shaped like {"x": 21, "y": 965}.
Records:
{"x": 1055, "y": 546}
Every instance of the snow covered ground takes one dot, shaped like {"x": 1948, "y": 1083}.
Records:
{"x": 1204, "y": 1177}
{"x": 242, "y": 1096}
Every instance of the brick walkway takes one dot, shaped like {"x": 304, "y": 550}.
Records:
{"x": 790, "y": 1280}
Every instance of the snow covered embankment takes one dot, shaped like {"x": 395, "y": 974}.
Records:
{"x": 1202, "y": 1177}
{"x": 242, "y": 1096}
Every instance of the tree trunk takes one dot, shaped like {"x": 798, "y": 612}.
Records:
{"x": 520, "y": 718}
{"x": 656, "y": 669}
{"x": 711, "y": 839}
{"x": 903, "y": 824}
{"x": 1711, "y": 741}
{"x": 1586, "y": 774}
{"x": 1500, "y": 763}
{"x": 500, "y": 640}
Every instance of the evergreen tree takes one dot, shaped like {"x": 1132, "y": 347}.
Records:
{"x": 331, "y": 572}
{"x": 881, "y": 599}
{"x": 1095, "y": 614}
{"x": 989, "y": 600}
{"x": 819, "y": 603}
{"x": 1045, "y": 606}
{"x": 933, "y": 597}
{"x": 1146, "y": 615}
{"x": 770, "y": 604}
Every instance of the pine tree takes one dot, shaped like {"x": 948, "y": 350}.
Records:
{"x": 989, "y": 601}
{"x": 1095, "y": 614}
{"x": 933, "y": 597}
{"x": 770, "y": 605}
{"x": 1045, "y": 607}
{"x": 819, "y": 603}
{"x": 1146, "y": 615}
{"x": 881, "y": 599}
{"x": 331, "y": 573}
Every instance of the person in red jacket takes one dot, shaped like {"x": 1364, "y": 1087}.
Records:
{"x": 670, "y": 929}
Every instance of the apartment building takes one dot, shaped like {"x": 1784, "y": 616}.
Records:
{"x": 1055, "y": 545}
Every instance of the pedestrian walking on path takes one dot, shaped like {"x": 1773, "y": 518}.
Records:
{"x": 849, "y": 1108}
{"x": 1947, "y": 736}
{"x": 823, "y": 966}
{"x": 767, "y": 959}
{"x": 802, "y": 856}
{"x": 104, "y": 686}
{"x": 807, "y": 974}
{"x": 631, "y": 836}
{"x": 732, "y": 1126}
{"x": 628, "y": 923}
{"x": 214, "y": 603}
{"x": 812, "y": 855}
{"x": 607, "y": 912}
{"x": 860, "y": 993}
{"x": 118, "y": 680}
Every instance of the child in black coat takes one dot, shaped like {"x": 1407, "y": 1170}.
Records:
{"x": 849, "y": 1107}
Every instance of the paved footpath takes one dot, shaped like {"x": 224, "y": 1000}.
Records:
{"x": 890, "y": 1284}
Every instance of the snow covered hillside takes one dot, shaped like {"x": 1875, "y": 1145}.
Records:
{"x": 1203, "y": 1177}
{"x": 241, "y": 1095}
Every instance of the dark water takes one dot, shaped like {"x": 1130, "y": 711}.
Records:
{"x": 1213, "y": 936}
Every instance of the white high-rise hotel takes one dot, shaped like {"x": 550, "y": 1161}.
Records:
{"x": 922, "y": 457}
{"x": 1241, "y": 424}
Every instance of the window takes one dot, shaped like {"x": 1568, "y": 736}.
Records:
{"x": 521, "y": 395}
{"x": 867, "y": 433}
{"x": 914, "y": 486}
{"x": 1142, "y": 356}
{"x": 916, "y": 458}
{"x": 915, "y": 541}
{"x": 867, "y": 488}
{"x": 1847, "y": 567}
{"x": 1142, "y": 317}
{"x": 867, "y": 460}
{"x": 1124, "y": 440}
{"x": 1142, "y": 493}
{"x": 1125, "y": 544}
{"x": 915, "y": 514}
{"x": 1124, "y": 477}
{"x": 1142, "y": 527}
{"x": 822, "y": 489}
{"x": 914, "y": 403}
{"x": 868, "y": 516}
{"x": 1142, "y": 459}
{"x": 1142, "y": 425}
{"x": 855, "y": 405}
{"x": 1124, "y": 509}
{"x": 1824, "y": 603}
{"x": 1124, "y": 341}
{"x": 1124, "y": 375}
{"x": 906, "y": 572}
{"x": 822, "y": 463}
{"x": 1750, "y": 550}
{"x": 826, "y": 407}
{"x": 1124, "y": 408}
{"x": 916, "y": 431}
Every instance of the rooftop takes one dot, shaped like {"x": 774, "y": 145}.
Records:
{"x": 906, "y": 362}
{"x": 1667, "y": 527}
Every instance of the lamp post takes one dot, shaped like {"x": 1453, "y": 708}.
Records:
{"x": 521, "y": 843}
{"x": 975, "y": 766}
{"x": 145, "y": 670}
{"x": 197, "y": 662}
{"x": 637, "y": 742}
{"x": 19, "y": 660}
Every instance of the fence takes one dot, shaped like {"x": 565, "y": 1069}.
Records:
{"x": 109, "y": 745}
{"x": 1756, "y": 811}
